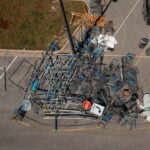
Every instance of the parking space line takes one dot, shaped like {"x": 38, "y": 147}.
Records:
{"x": 9, "y": 66}
{"x": 130, "y": 12}
{"x": 140, "y": 58}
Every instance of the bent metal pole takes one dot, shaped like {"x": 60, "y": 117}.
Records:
{"x": 67, "y": 26}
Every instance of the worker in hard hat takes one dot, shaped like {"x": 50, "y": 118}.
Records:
{"x": 24, "y": 107}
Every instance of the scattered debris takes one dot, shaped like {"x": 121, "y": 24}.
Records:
{"x": 89, "y": 20}
{"x": 105, "y": 41}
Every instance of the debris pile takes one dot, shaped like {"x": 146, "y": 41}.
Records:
{"x": 81, "y": 85}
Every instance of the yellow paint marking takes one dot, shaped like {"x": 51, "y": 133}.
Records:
{"x": 26, "y": 124}
{"x": 113, "y": 128}
{"x": 78, "y": 129}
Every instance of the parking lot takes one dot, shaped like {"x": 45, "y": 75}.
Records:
{"x": 81, "y": 134}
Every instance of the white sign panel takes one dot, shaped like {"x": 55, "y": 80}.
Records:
{"x": 146, "y": 100}
{"x": 97, "y": 109}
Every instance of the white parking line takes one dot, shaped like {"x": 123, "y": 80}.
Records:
{"x": 130, "y": 12}
{"x": 9, "y": 66}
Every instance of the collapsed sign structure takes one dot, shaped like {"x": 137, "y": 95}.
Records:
{"x": 81, "y": 85}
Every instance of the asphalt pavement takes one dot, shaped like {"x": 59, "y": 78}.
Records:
{"x": 80, "y": 134}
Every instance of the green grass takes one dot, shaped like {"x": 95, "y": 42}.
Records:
{"x": 32, "y": 24}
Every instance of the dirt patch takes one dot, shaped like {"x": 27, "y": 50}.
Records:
{"x": 4, "y": 24}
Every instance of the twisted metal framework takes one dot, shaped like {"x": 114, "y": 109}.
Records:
{"x": 60, "y": 84}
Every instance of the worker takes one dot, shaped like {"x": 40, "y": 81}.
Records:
{"x": 24, "y": 107}
{"x": 109, "y": 27}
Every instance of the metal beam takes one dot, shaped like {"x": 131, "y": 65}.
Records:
{"x": 67, "y": 26}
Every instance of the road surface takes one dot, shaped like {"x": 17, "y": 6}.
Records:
{"x": 17, "y": 136}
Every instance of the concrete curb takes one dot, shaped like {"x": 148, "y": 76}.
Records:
{"x": 20, "y": 53}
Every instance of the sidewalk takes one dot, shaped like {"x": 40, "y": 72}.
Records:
{"x": 20, "y": 53}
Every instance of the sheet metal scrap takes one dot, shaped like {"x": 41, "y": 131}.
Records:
{"x": 63, "y": 83}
